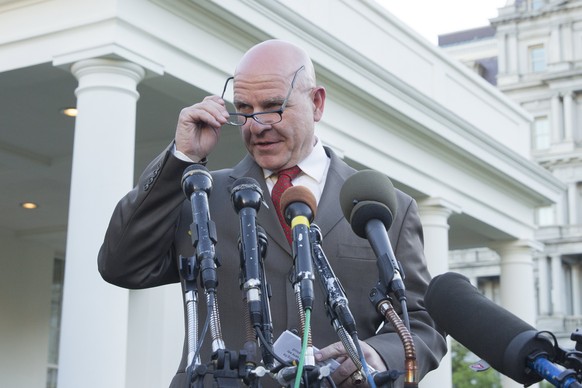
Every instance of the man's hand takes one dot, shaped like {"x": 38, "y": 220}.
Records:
{"x": 198, "y": 128}
{"x": 341, "y": 376}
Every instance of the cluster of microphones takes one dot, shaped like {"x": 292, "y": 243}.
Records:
{"x": 369, "y": 204}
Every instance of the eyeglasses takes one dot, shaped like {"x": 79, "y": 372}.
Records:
{"x": 267, "y": 117}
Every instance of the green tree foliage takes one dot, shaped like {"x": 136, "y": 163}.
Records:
{"x": 464, "y": 376}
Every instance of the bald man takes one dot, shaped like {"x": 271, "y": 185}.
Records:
{"x": 277, "y": 105}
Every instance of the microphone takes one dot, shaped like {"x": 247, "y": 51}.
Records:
{"x": 491, "y": 332}
{"x": 197, "y": 186}
{"x": 368, "y": 201}
{"x": 246, "y": 197}
{"x": 298, "y": 205}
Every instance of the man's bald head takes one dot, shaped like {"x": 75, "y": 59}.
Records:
{"x": 277, "y": 76}
{"x": 275, "y": 57}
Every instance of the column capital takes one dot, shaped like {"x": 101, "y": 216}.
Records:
{"x": 529, "y": 245}
{"x": 438, "y": 203}
{"x": 103, "y": 73}
{"x": 567, "y": 93}
{"x": 108, "y": 51}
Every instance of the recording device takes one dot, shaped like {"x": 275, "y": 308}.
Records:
{"x": 197, "y": 186}
{"x": 246, "y": 197}
{"x": 368, "y": 201}
{"x": 503, "y": 340}
{"x": 298, "y": 206}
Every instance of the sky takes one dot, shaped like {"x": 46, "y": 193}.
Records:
{"x": 431, "y": 18}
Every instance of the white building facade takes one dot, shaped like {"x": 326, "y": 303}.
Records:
{"x": 395, "y": 103}
{"x": 537, "y": 48}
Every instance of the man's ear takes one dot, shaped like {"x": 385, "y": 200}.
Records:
{"x": 318, "y": 102}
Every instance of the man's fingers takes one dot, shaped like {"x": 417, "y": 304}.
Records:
{"x": 331, "y": 351}
{"x": 205, "y": 114}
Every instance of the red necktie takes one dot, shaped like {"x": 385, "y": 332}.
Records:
{"x": 283, "y": 183}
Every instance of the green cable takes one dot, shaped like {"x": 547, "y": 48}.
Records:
{"x": 303, "y": 348}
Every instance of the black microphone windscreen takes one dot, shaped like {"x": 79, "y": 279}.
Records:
{"x": 298, "y": 194}
{"x": 196, "y": 177}
{"x": 366, "y": 195}
{"x": 246, "y": 192}
{"x": 245, "y": 183}
{"x": 194, "y": 169}
{"x": 488, "y": 330}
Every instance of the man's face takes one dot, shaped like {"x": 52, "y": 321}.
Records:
{"x": 284, "y": 144}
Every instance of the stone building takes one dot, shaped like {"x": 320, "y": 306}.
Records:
{"x": 532, "y": 52}
{"x": 396, "y": 104}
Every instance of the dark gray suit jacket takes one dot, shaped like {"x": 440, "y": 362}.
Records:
{"x": 149, "y": 230}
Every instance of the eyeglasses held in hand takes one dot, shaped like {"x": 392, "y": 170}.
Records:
{"x": 267, "y": 117}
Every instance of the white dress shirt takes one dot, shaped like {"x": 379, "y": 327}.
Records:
{"x": 313, "y": 170}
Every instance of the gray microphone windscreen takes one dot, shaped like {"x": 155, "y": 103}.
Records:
{"x": 366, "y": 195}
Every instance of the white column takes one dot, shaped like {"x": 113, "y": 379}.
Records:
{"x": 544, "y": 288}
{"x": 572, "y": 203}
{"x": 576, "y": 290}
{"x": 434, "y": 215}
{"x": 556, "y": 119}
{"x": 502, "y": 58}
{"x": 156, "y": 335}
{"x": 567, "y": 46}
{"x": 562, "y": 209}
{"x": 557, "y": 286}
{"x": 569, "y": 113}
{"x": 94, "y": 321}
{"x": 517, "y": 277}
{"x": 517, "y": 284}
{"x": 554, "y": 54}
{"x": 512, "y": 57}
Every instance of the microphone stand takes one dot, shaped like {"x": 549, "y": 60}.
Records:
{"x": 266, "y": 332}
{"x": 337, "y": 308}
{"x": 298, "y": 216}
{"x": 383, "y": 303}
{"x": 225, "y": 365}
{"x": 189, "y": 273}
{"x": 562, "y": 369}
{"x": 336, "y": 304}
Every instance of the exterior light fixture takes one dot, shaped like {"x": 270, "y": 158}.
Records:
{"x": 70, "y": 112}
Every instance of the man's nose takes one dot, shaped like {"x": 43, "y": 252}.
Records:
{"x": 257, "y": 128}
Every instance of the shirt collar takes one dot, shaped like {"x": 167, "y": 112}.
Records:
{"x": 313, "y": 165}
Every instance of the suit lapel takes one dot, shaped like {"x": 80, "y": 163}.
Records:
{"x": 329, "y": 212}
{"x": 266, "y": 216}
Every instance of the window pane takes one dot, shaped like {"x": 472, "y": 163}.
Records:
{"x": 537, "y": 4}
{"x": 537, "y": 57}
{"x": 541, "y": 133}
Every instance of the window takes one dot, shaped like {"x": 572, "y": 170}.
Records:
{"x": 537, "y": 58}
{"x": 537, "y": 4}
{"x": 55, "y": 322}
{"x": 541, "y": 133}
